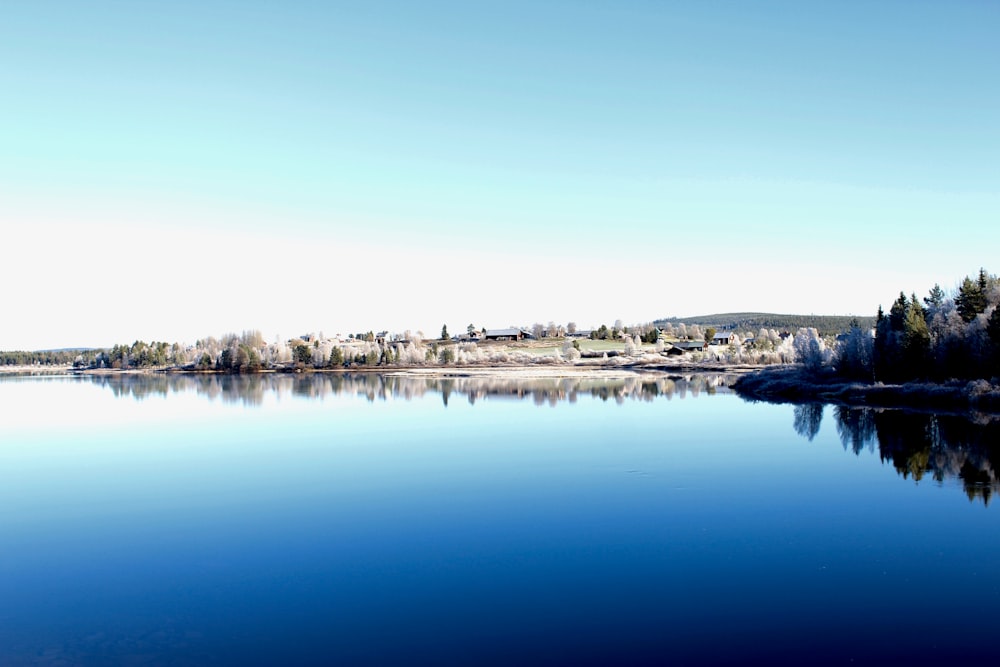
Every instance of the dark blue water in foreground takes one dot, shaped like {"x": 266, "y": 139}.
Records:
{"x": 389, "y": 521}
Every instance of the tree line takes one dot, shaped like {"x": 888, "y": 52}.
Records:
{"x": 937, "y": 338}
{"x": 48, "y": 357}
{"x": 825, "y": 325}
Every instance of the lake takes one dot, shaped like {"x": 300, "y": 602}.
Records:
{"x": 380, "y": 520}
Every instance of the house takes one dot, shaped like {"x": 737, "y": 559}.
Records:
{"x": 724, "y": 338}
{"x": 512, "y": 333}
{"x": 504, "y": 334}
{"x": 682, "y": 346}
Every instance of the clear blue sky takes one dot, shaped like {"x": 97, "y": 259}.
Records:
{"x": 175, "y": 170}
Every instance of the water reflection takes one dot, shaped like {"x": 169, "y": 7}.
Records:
{"x": 808, "y": 418}
{"x": 251, "y": 390}
{"x": 919, "y": 445}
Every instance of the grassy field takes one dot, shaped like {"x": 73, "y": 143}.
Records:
{"x": 601, "y": 345}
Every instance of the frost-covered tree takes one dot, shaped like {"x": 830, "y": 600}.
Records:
{"x": 630, "y": 346}
{"x": 854, "y": 354}
{"x": 810, "y": 350}
{"x": 570, "y": 350}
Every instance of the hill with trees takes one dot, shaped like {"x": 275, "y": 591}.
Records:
{"x": 825, "y": 325}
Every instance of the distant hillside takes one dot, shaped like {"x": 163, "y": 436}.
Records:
{"x": 825, "y": 324}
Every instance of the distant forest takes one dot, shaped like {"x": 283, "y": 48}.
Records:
{"x": 825, "y": 325}
{"x": 48, "y": 357}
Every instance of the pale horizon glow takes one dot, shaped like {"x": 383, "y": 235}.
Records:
{"x": 185, "y": 171}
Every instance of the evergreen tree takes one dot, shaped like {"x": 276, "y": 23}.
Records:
{"x": 301, "y": 354}
{"x": 993, "y": 330}
{"x": 444, "y": 332}
{"x": 897, "y": 314}
{"x": 225, "y": 362}
{"x": 935, "y": 298}
{"x": 916, "y": 341}
{"x": 971, "y": 299}
{"x": 886, "y": 350}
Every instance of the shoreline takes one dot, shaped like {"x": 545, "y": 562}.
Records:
{"x": 791, "y": 384}
{"x": 615, "y": 368}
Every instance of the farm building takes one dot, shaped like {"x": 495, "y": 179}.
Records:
{"x": 507, "y": 334}
{"x": 682, "y": 346}
{"x": 724, "y": 338}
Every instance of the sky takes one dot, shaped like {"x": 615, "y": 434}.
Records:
{"x": 170, "y": 171}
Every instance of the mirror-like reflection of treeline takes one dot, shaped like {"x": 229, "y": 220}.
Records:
{"x": 919, "y": 445}
{"x": 251, "y": 390}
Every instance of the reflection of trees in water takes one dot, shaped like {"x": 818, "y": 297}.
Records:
{"x": 920, "y": 445}
{"x": 856, "y": 428}
{"x": 246, "y": 390}
{"x": 808, "y": 417}
{"x": 251, "y": 389}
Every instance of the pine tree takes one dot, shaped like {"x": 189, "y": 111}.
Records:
{"x": 993, "y": 330}
{"x": 897, "y": 314}
{"x": 971, "y": 299}
{"x": 935, "y": 298}
{"x": 916, "y": 340}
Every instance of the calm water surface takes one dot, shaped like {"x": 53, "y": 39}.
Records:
{"x": 378, "y": 520}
